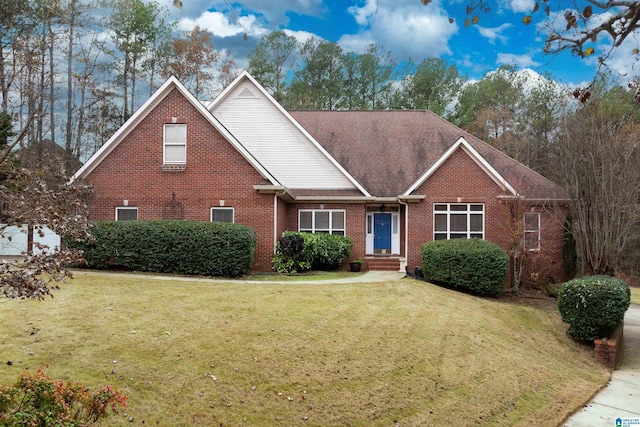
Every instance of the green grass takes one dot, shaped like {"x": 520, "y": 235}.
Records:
{"x": 367, "y": 354}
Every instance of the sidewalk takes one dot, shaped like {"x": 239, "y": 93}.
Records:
{"x": 621, "y": 397}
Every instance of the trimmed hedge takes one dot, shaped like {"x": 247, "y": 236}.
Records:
{"x": 171, "y": 246}
{"x": 475, "y": 265}
{"x": 297, "y": 252}
{"x": 593, "y": 306}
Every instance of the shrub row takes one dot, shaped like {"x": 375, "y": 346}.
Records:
{"x": 171, "y": 246}
{"x": 297, "y": 252}
{"x": 475, "y": 265}
{"x": 593, "y": 306}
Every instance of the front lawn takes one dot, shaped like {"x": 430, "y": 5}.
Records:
{"x": 302, "y": 354}
{"x": 635, "y": 295}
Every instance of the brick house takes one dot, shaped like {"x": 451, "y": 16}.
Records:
{"x": 390, "y": 180}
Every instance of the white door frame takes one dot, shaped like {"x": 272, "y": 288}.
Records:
{"x": 370, "y": 233}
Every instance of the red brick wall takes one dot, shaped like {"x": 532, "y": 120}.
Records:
{"x": 461, "y": 180}
{"x": 547, "y": 264}
{"x": 214, "y": 171}
{"x": 355, "y": 217}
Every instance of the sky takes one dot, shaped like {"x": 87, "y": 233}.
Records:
{"x": 405, "y": 28}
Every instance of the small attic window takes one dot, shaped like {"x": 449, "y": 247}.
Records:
{"x": 246, "y": 93}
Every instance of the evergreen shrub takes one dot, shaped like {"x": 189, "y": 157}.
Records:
{"x": 593, "y": 306}
{"x": 297, "y": 252}
{"x": 474, "y": 265}
{"x": 171, "y": 246}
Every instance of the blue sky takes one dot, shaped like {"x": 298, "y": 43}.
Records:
{"x": 405, "y": 28}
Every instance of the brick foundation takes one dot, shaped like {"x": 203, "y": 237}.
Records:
{"x": 608, "y": 350}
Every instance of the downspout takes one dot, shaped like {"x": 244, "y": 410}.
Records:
{"x": 275, "y": 220}
{"x": 275, "y": 217}
{"x": 406, "y": 235}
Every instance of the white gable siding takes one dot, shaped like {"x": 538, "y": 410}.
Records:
{"x": 276, "y": 142}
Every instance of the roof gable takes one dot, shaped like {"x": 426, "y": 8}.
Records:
{"x": 171, "y": 84}
{"x": 277, "y": 140}
{"x": 461, "y": 143}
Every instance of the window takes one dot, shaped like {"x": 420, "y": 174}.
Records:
{"x": 458, "y": 221}
{"x": 322, "y": 221}
{"x": 175, "y": 144}
{"x": 126, "y": 214}
{"x": 221, "y": 214}
{"x": 532, "y": 231}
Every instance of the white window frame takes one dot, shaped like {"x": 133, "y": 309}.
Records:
{"x": 182, "y": 143}
{"x": 126, "y": 208}
{"x": 531, "y": 231}
{"x": 468, "y": 234}
{"x": 221, "y": 208}
{"x": 316, "y": 229}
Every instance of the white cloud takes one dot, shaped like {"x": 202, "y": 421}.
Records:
{"x": 623, "y": 63}
{"x": 219, "y": 24}
{"x": 275, "y": 11}
{"x": 474, "y": 63}
{"x": 519, "y": 6}
{"x": 493, "y": 34}
{"x": 404, "y": 27}
{"x": 357, "y": 42}
{"x": 363, "y": 14}
{"x": 466, "y": 61}
{"x": 301, "y": 36}
{"x": 272, "y": 11}
{"x": 520, "y": 61}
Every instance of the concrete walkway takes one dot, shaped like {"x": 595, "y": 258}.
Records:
{"x": 621, "y": 397}
{"x": 369, "y": 276}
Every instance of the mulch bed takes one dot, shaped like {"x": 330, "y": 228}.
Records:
{"x": 531, "y": 298}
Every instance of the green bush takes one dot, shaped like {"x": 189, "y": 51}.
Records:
{"x": 593, "y": 306}
{"x": 475, "y": 265}
{"x": 171, "y": 246}
{"x": 297, "y": 252}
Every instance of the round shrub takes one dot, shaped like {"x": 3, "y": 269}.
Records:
{"x": 297, "y": 252}
{"x": 475, "y": 265}
{"x": 593, "y": 306}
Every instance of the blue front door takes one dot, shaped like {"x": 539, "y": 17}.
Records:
{"x": 382, "y": 233}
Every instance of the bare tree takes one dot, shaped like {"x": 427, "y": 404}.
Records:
{"x": 34, "y": 201}
{"x": 192, "y": 60}
{"x": 596, "y": 160}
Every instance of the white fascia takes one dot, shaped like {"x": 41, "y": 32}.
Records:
{"x": 475, "y": 156}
